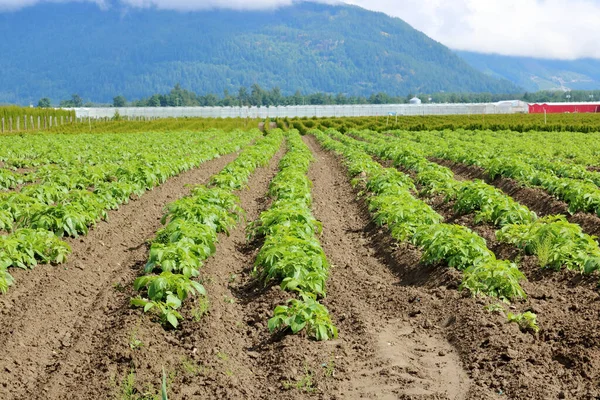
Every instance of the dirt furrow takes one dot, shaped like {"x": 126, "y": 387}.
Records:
{"x": 536, "y": 199}
{"x": 51, "y": 307}
{"x": 208, "y": 357}
{"x": 552, "y": 294}
{"x": 501, "y": 361}
{"x": 382, "y": 351}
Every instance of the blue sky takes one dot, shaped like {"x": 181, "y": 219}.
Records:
{"x": 564, "y": 29}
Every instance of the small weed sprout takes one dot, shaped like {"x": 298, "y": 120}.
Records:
{"x": 305, "y": 384}
{"x": 526, "y": 321}
{"x": 201, "y": 309}
{"x": 134, "y": 342}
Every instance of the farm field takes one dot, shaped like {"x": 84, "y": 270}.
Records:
{"x": 212, "y": 260}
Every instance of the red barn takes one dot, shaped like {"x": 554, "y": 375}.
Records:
{"x": 562, "y": 108}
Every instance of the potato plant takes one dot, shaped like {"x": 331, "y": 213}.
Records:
{"x": 77, "y": 179}
{"x": 291, "y": 253}
{"x": 519, "y": 158}
{"x": 191, "y": 233}
{"x": 554, "y": 240}
{"x": 411, "y": 220}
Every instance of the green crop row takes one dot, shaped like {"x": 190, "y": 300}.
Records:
{"x": 570, "y": 183}
{"x": 190, "y": 235}
{"x": 25, "y": 248}
{"x": 38, "y": 214}
{"x": 291, "y": 253}
{"x": 555, "y": 241}
{"x": 566, "y": 153}
{"x": 132, "y": 125}
{"x": 563, "y": 123}
{"x": 68, "y": 200}
{"x": 15, "y": 112}
{"x": 411, "y": 220}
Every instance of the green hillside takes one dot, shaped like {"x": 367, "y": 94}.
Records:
{"x": 535, "y": 74}
{"x": 56, "y": 50}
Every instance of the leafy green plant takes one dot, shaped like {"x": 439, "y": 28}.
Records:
{"x": 166, "y": 310}
{"x": 183, "y": 257}
{"x": 388, "y": 181}
{"x": 293, "y": 214}
{"x": 456, "y": 245}
{"x": 491, "y": 205}
{"x": 403, "y": 214}
{"x": 304, "y": 313}
{"x": 203, "y": 211}
{"x": 300, "y": 263}
{"x": 24, "y": 248}
{"x": 497, "y": 278}
{"x": 6, "y": 280}
{"x": 561, "y": 243}
{"x": 165, "y": 294}
{"x": 159, "y": 286}
{"x": 527, "y": 321}
{"x": 179, "y": 229}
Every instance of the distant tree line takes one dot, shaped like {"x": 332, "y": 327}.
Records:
{"x": 259, "y": 97}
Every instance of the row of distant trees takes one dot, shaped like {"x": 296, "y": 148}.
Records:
{"x": 257, "y": 96}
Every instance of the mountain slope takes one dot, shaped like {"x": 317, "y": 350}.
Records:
{"x": 536, "y": 74}
{"x": 56, "y": 49}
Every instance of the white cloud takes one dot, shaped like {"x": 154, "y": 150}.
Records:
{"x": 10, "y": 5}
{"x": 565, "y": 29}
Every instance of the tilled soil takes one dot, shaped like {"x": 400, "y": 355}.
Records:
{"x": 536, "y": 199}
{"x": 406, "y": 331}
{"x": 554, "y": 295}
{"x": 51, "y": 310}
{"x": 500, "y": 359}
{"x": 206, "y": 358}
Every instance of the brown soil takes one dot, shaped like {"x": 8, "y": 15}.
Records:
{"x": 52, "y": 309}
{"x": 406, "y": 331}
{"x": 272, "y": 125}
{"x": 536, "y": 199}
{"x": 558, "y": 362}
{"x": 208, "y": 358}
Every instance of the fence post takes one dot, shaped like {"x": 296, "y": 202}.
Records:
{"x": 32, "y": 124}
{"x": 10, "y": 123}
{"x": 18, "y": 124}
{"x": 2, "y": 124}
{"x": 25, "y": 122}
{"x": 61, "y": 120}
{"x": 50, "y": 123}
{"x": 39, "y": 123}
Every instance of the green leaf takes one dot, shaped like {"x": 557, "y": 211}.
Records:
{"x": 172, "y": 319}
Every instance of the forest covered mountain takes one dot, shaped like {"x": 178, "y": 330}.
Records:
{"x": 56, "y": 49}
{"x": 535, "y": 74}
